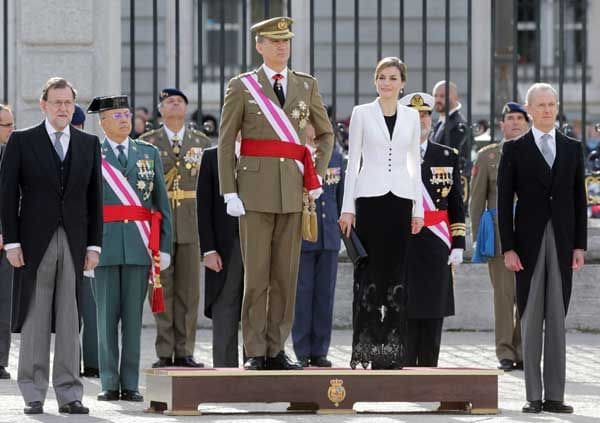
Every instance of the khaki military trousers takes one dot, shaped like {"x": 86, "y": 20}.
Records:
{"x": 506, "y": 316}
{"x": 270, "y": 245}
{"x": 176, "y": 327}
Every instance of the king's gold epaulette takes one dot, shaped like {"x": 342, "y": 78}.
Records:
{"x": 303, "y": 74}
{"x": 145, "y": 143}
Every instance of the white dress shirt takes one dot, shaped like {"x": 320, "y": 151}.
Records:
{"x": 171, "y": 134}
{"x": 388, "y": 165}
{"x": 114, "y": 146}
{"x": 537, "y": 136}
{"x": 283, "y": 81}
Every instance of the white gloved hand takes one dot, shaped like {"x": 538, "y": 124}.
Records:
{"x": 165, "y": 260}
{"x": 235, "y": 207}
{"x": 456, "y": 256}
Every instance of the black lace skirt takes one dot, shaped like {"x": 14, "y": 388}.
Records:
{"x": 379, "y": 305}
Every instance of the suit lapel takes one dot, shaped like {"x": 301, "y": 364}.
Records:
{"x": 76, "y": 151}
{"x": 534, "y": 156}
{"x": 561, "y": 147}
{"x": 292, "y": 90}
{"x": 109, "y": 155}
{"x": 43, "y": 150}
{"x": 380, "y": 119}
{"x": 267, "y": 87}
{"x": 132, "y": 157}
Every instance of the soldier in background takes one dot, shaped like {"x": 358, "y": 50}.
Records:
{"x": 482, "y": 206}
{"x": 438, "y": 246}
{"x": 181, "y": 151}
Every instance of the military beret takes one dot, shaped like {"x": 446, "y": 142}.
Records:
{"x": 78, "y": 116}
{"x": 169, "y": 92}
{"x": 420, "y": 101}
{"x": 512, "y": 107}
{"x": 100, "y": 104}
{"x": 276, "y": 28}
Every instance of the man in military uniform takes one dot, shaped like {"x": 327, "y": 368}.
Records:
{"x": 180, "y": 150}
{"x": 438, "y": 246}
{"x": 271, "y": 106}
{"x": 515, "y": 122}
{"x": 134, "y": 195}
{"x": 311, "y": 332}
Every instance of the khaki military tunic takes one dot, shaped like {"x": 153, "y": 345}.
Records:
{"x": 271, "y": 191}
{"x": 484, "y": 195}
{"x": 176, "y": 327}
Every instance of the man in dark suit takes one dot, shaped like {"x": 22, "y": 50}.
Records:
{"x": 438, "y": 246}
{"x": 52, "y": 218}
{"x": 543, "y": 240}
{"x": 224, "y": 275}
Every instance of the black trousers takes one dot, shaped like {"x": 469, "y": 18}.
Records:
{"x": 6, "y": 274}
{"x": 423, "y": 340}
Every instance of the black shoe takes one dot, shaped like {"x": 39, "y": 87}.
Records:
{"x": 532, "y": 407}
{"x": 74, "y": 407}
{"x": 557, "y": 407}
{"x": 282, "y": 362}
{"x": 518, "y": 365}
{"x": 303, "y": 361}
{"x": 320, "y": 361}
{"x": 108, "y": 396}
{"x": 33, "y": 407}
{"x": 134, "y": 396}
{"x": 90, "y": 372}
{"x": 162, "y": 362}
{"x": 187, "y": 362}
{"x": 3, "y": 373}
{"x": 506, "y": 365}
{"x": 255, "y": 363}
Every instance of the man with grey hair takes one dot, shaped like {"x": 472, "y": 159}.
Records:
{"x": 543, "y": 240}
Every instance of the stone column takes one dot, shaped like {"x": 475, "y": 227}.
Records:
{"x": 79, "y": 40}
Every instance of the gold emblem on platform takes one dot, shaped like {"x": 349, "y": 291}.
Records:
{"x": 336, "y": 392}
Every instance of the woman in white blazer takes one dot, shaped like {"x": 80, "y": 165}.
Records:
{"x": 382, "y": 199}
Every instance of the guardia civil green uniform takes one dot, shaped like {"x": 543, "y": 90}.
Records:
{"x": 122, "y": 274}
{"x": 176, "y": 327}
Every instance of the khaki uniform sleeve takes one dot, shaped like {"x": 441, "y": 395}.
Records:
{"x": 323, "y": 130}
{"x": 231, "y": 123}
{"x": 479, "y": 185}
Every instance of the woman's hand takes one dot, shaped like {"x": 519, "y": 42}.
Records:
{"x": 346, "y": 222}
{"x": 416, "y": 224}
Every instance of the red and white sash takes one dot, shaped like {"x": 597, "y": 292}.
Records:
{"x": 277, "y": 118}
{"x": 441, "y": 230}
{"x": 128, "y": 197}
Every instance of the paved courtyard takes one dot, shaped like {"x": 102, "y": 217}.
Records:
{"x": 459, "y": 349}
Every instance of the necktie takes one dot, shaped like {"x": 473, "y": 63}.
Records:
{"x": 546, "y": 151}
{"x": 422, "y": 152}
{"x": 121, "y": 156}
{"x": 58, "y": 145}
{"x": 176, "y": 147}
{"x": 278, "y": 88}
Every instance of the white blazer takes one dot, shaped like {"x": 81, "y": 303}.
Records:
{"x": 387, "y": 165}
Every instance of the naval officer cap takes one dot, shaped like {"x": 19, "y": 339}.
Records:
{"x": 100, "y": 104}
{"x": 512, "y": 107}
{"x": 169, "y": 92}
{"x": 275, "y": 28}
{"x": 423, "y": 102}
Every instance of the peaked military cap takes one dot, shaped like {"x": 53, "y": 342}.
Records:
{"x": 420, "y": 101}
{"x": 169, "y": 92}
{"x": 100, "y": 104}
{"x": 276, "y": 28}
{"x": 78, "y": 116}
{"x": 513, "y": 107}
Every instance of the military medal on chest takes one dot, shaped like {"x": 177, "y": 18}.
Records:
{"x": 192, "y": 160}
{"x": 441, "y": 175}
{"x": 333, "y": 175}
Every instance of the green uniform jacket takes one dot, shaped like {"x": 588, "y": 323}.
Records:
{"x": 267, "y": 184}
{"x": 121, "y": 242}
{"x": 181, "y": 172}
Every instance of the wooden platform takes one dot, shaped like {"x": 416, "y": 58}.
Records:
{"x": 180, "y": 391}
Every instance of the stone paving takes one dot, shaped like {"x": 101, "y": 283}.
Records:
{"x": 459, "y": 349}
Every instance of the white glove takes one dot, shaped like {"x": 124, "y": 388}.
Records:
{"x": 456, "y": 256}
{"x": 165, "y": 260}
{"x": 235, "y": 207}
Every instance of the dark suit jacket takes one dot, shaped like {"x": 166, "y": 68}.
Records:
{"x": 33, "y": 206}
{"x": 216, "y": 229}
{"x": 457, "y": 127}
{"x": 542, "y": 194}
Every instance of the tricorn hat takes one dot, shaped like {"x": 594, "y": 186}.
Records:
{"x": 100, "y": 104}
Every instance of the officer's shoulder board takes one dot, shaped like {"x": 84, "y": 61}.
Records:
{"x": 303, "y": 74}
{"x": 488, "y": 149}
{"x": 196, "y": 133}
{"x": 149, "y": 136}
{"x": 146, "y": 144}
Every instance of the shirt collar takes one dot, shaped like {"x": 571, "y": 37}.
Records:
{"x": 423, "y": 146}
{"x": 114, "y": 145}
{"x": 171, "y": 134}
{"x": 537, "y": 134}
{"x": 270, "y": 72}
{"x": 51, "y": 130}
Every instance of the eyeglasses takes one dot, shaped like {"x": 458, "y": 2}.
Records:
{"x": 57, "y": 103}
{"x": 121, "y": 115}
